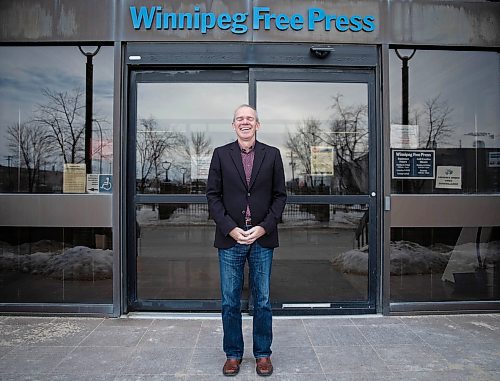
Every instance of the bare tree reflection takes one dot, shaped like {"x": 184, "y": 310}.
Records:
{"x": 435, "y": 116}
{"x": 31, "y": 142}
{"x": 63, "y": 113}
{"x": 152, "y": 144}
{"x": 300, "y": 142}
{"x": 348, "y": 134}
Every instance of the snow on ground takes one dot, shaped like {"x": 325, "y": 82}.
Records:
{"x": 197, "y": 214}
{"x": 76, "y": 263}
{"x": 412, "y": 258}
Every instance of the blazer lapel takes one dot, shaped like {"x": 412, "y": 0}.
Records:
{"x": 236, "y": 156}
{"x": 260, "y": 153}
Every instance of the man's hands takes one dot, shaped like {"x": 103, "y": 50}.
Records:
{"x": 247, "y": 237}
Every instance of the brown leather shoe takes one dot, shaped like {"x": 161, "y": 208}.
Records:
{"x": 231, "y": 367}
{"x": 264, "y": 366}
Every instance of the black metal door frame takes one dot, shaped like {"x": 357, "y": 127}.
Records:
{"x": 261, "y": 62}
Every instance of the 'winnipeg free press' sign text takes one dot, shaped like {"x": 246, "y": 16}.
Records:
{"x": 262, "y": 18}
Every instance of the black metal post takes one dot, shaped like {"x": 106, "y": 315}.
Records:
{"x": 89, "y": 92}
{"x": 405, "y": 86}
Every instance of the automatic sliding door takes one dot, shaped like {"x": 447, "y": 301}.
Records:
{"x": 321, "y": 121}
{"x": 181, "y": 117}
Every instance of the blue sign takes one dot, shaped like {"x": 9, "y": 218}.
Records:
{"x": 413, "y": 164}
{"x": 105, "y": 183}
{"x": 155, "y": 17}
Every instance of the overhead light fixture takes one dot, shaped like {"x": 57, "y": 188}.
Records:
{"x": 321, "y": 51}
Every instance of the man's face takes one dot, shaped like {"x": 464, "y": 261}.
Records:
{"x": 245, "y": 124}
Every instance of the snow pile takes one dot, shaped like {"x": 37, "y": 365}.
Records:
{"x": 406, "y": 258}
{"x": 353, "y": 261}
{"x": 76, "y": 263}
{"x": 465, "y": 259}
{"x": 412, "y": 258}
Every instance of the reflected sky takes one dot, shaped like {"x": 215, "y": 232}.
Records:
{"x": 26, "y": 71}
{"x": 468, "y": 81}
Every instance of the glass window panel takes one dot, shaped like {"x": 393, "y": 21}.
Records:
{"x": 178, "y": 126}
{"x": 175, "y": 254}
{"x": 323, "y": 254}
{"x": 445, "y": 264}
{"x": 453, "y": 109}
{"x": 42, "y": 115}
{"x": 56, "y": 265}
{"x": 321, "y": 130}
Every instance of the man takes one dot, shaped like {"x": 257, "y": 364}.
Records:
{"x": 246, "y": 196}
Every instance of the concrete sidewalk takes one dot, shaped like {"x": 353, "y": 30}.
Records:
{"x": 157, "y": 347}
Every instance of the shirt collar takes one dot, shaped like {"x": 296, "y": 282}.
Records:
{"x": 243, "y": 150}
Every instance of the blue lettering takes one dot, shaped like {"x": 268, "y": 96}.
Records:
{"x": 315, "y": 15}
{"x": 143, "y": 16}
{"x": 342, "y": 23}
{"x": 169, "y": 21}
{"x": 282, "y": 22}
{"x": 196, "y": 20}
{"x": 369, "y": 22}
{"x": 148, "y": 17}
{"x": 224, "y": 21}
{"x": 356, "y": 23}
{"x": 185, "y": 21}
{"x": 239, "y": 26}
{"x": 257, "y": 17}
{"x": 297, "y": 22}
{"x": 207, "y": 22}
{"x": 158, "y": 17}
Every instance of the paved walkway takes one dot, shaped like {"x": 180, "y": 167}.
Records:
{"x": 453, "y": 347}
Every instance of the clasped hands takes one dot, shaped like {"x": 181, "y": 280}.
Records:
{"x": 247, "y": 237}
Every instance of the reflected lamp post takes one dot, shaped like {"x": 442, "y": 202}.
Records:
{"x": 89, "y": 90}
{"x": 405, "y": 85}
{"x": 100, "y": 146}
{"x": 183, "y": 171}
{"x": 166, "y": 166}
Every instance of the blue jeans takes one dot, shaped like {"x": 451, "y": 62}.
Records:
{"x": 232, "y": 264}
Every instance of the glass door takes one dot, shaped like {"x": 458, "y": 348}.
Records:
{"x": 178, "y": 118}
{"x": 323, "y": 123}
{"x": 321, "y": 120}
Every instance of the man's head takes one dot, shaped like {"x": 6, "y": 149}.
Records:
{"x": 245, "y": 123}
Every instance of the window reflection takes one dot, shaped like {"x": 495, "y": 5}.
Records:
{"x": 445, "y": 264}
{"x": 452, "y": 108}
{"x": 322, "y": 132}
{"x": 175, "y": 254}
{"x": 323, "y": 254}
{"x": 56, "y": 265}
{"x": 42, "y": 115}
{"x": 178, "y": 126}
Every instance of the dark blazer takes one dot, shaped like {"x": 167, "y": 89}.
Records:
{"x": 228, "y": 193}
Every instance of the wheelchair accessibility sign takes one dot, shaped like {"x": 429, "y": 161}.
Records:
{"x": 99, "y": 183}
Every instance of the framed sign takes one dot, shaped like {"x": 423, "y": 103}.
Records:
{"x": 413, "y": 164}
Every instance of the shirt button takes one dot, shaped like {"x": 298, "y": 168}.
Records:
{"x": 243, "y": 212}
{"x": 248, "y": 194}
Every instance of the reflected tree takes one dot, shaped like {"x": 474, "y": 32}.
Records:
{"x": 198, "y": 144}
{"x": 63, "y": 114}
{"x": 435, "y": 115}
{"x": 152, "y": 145}
{"x": 32, "y": 143}
{"x": 306, "y": 135}
{"x": 348, "y": 134}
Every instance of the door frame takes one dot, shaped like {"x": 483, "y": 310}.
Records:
{"x": 348, "y": 63}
